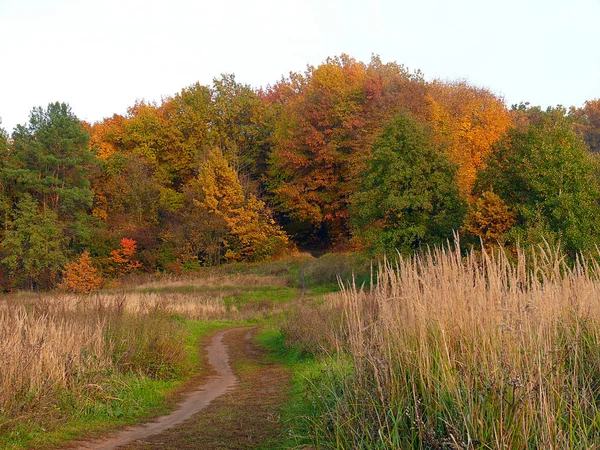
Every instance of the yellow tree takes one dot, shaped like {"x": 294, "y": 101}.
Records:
{"x": 468, "y": 121}
{"x": 229, "y": 223}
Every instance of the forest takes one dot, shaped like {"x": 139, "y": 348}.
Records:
{"x": 381, "y": 261}
{"x": 347, "y": 155}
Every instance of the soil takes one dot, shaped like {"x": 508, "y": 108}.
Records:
{"x": 236, "y": 408}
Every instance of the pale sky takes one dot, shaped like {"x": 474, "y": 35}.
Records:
{"x": 101, "y": 55}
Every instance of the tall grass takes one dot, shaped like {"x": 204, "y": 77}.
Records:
{"x": 446, "y": 351}
{"x": 59, "y": 354}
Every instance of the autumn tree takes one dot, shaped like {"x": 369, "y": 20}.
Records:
{"x": 106, "y": 137}
{"x": 541, "y": 170}
{"x": 123, "y": 260}
{"x": 489, "y": 219}
{"x": 80, "y": 276}
{"x": 225, "y": 223}
{"x": 588, "y": 123}
{"x": 467, "y": 122}
{"x": 189, "y": 115}
{"x": 327, "y": 121}
{"x": 408, "y": 196}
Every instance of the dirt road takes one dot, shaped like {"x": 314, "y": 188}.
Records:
{"x": 234, "y": 409}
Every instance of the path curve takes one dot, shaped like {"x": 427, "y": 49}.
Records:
{"x": 217, "y": 385}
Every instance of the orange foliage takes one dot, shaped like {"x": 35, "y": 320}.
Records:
{"x": 106, "y": 136}
{"x": 328, "y": 119}
{"x": 123, "y": 259}
{"x": 468, "y": 121}
{"x": 490, "y": 219}
{"x": 81, "y": 277}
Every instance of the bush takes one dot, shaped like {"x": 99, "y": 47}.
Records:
{"x": 81, "y": 277}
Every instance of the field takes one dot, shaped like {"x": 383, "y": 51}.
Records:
{"x": 442, "y": 350}
{"x": 72, "y": 363}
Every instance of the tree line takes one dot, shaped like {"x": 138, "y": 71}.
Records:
{"x": 345, "y": 155}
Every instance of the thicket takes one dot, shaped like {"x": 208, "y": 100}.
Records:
{"x": 225, "y": 173}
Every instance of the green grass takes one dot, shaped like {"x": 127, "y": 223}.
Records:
{"x": 243, "y": 296}
{"x": 132, "y": 399}
{"x": 298, "y": 413}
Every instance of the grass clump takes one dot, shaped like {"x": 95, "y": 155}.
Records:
{"x": 446, "y": 351}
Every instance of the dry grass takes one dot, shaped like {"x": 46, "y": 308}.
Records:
{"x": 455, "y": 352}
{"x": 57, "y": 349}
{"x": 54, "y": 348}
{"x": 214, "y": 280}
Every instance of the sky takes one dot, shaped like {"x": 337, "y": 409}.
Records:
{"x": 102, "y": 56}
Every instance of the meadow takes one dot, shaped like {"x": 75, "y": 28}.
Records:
{"x": 72, "y": 363}
{"x": 441, "y": 350}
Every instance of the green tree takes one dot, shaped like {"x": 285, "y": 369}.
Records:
{"x": 5, "y": 204}
{"x": 408, "y": 195}
{"x": 240, "y": 126}
{"x": 51, "y": 160}
{"x": 33, "y": 245}
{"x": 542, "y": 171}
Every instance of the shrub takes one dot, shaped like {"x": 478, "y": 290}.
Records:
{"x": 81, "y": 277}
{"x": 123, "y": 259}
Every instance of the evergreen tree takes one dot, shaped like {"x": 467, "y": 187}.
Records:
{"x": 50, "y": 162}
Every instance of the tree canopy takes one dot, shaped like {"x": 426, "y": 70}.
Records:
{"x": 344, "y": 155}
{"x": 542, "y": 172}
{"x": 408, "y": 197}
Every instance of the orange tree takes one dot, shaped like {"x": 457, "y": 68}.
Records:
{"x": 326, "y": 122}
{"x": 81, "y": 277}
{"x": 467, "y": 122}
{"x": 122, "y": 261}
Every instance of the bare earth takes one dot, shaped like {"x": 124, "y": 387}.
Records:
{"x": 234, "y": 409}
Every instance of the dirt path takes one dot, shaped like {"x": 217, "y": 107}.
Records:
{"x": 236, "y": 409}
{"x": 217, "y": 385}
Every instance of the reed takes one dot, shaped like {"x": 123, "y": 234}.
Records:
{"x": 450, "y": 351}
